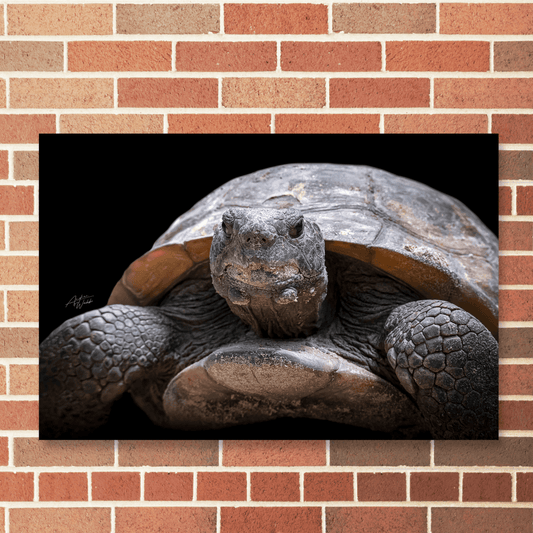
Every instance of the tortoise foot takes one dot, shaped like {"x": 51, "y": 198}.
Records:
{"x": 90, "y": 361}
{"x": 254, "y": 382}
{"x": 447, "y": 360}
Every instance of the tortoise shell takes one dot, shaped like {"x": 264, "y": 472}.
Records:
{"x": 427, "y": 239}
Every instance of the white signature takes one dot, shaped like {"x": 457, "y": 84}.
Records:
{"x": 78, "y": 302}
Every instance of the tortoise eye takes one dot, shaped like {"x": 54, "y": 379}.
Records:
{"x": 297, "y": 229}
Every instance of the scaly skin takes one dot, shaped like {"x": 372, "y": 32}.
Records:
{"x": 448, "y": 362}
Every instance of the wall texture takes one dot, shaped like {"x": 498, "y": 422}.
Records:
{"x": 315, "y": 67}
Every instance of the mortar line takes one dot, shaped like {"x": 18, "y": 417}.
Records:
{"x": 115, "y": 453}
{"x": 408, "y": 486}
{"x": 219, "y": 512}
{"x": 328, "y": 452}
{"x": 432, "y": 453}
{"x": 113, "y": 518}
{"x": 36, "y": 486}
{"x": 141, "y": 475}
{"x": 429, "y": 519}
{"x": 220, "y": 452}
{"x": 89, "y": 486}
{"x": 248, "y": 486}
{"x": 514, "y": 480}
{"x": 461, "y": 474}
{"x": 301, "y": 482}
{"x": 355, "y": 490}
{"x": 323, "y": 518}
{"x": 272, "y": 123}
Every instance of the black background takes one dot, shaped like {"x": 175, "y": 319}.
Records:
{"x": 105, "y": 199}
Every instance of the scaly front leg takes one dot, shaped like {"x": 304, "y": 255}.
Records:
{"x": 447, "y": 360}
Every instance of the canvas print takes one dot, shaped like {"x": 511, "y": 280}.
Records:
{"x": 269, "y": 286}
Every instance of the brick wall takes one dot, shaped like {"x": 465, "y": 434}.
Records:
{"x": 263, "y": 68}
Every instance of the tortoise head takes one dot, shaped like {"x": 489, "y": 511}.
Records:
{"x": 269, "y": 265}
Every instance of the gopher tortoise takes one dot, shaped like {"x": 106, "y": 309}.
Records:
{"x": 335, "y": 292}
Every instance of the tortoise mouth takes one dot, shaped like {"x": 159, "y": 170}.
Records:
{"x": 263, "y": 276}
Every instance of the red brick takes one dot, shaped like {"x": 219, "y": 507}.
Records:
{"x": 379, "y": 453}
{"x": 517, "y": 415}
{"x": 331, "y": 123}
{"x": 116, "y": 486}
{"x": 16, "y": 200}
{"x": 275, "y": 18}
{"x": 26, "y": 165}
{"x": 16, "y": 486}
{"x": 515, "y": 164}
{"x": 101, "y": 123}
{"x": 513, "y": 56}
{"x": 461, "y": 56}
{"x": 516, "y": 270}
{"x": 129, "y": 56}
{"x": 492, "y": 487}
{"x": 330, "y": 57}
{"x": 175, "y": 18}
{"x": 515, "y": 305}
{"x": 274, "y": 453}
{"x": 24, "y": 236}
{"x": 24, "y": 379}
{"x": 275, "y": 486}
{"x": 168, "y": 453}
{"x": 434, "y": 486}
{"x": 505, "y": 200}
{"x": 168, "y": 486}
{"x": 516, "y": 235}
{"x": 486, "y": 520}
{"x": 3, "y": 383}
{"x": 4, "y": 451}
{"x": 273, "y": 92}
{"x": 513, "y": 128}
{"x": 524, "y": 200}
{"x": 50, "y": 93}
{"x": 507, "y": 451}
{"x": 224, "y": 57}
{"x": 278, "y": 519}
{"x": 23, "y": 306}
{"x": 484, "y": 93}
{"x": 2, "y": 235}
{"x": 65, "y": 520}
{"x": 207, "y": 123}
{"x": 381, "y": 487}
{"x": 221, "y": 486}
{"x": 19, "y": 269}
{"x": 63, "y": 486}
{"x": 515, "y": 379}
{"x": 167, "y": 92}
{"x": 328, "y": 486}
{"x": 524, "y": 487}
{"x": 486, "y": 19}
{"x": 62, "y": 19}
{"x": 376, "y": 519}
{"x": 16, "y": 415}
{"x": 34, "y": 452}
{"x": 384, "y": 17}
{"x": 166, "y": 519}
{"x": 449, "y": 123}
{"x": 515, "y": 342}
{"x": 382, "y": 92}
{"x": 25, "y": 129}
{"x": 4, "y": 165}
